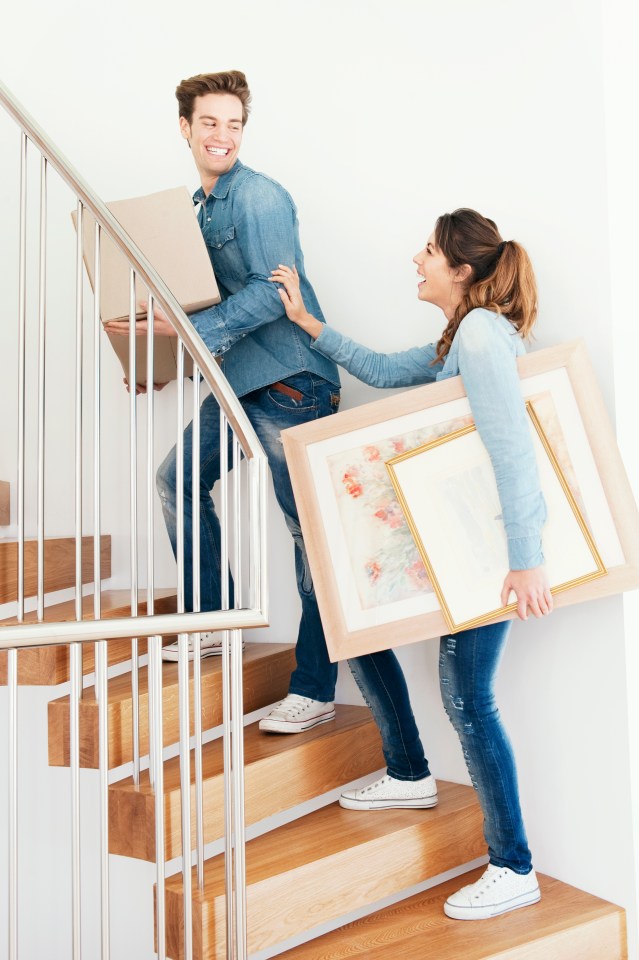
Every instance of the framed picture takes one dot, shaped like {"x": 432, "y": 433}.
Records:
{"x": 373, "y": 587}
{"x": 448, "y": 495}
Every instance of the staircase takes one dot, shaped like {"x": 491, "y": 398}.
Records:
{"x": 315, "y": 869}
{"x": 318, "y": 867}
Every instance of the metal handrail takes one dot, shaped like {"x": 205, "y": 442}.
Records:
{"x": 42, "y": 633}
{"x": 39, "y": 634}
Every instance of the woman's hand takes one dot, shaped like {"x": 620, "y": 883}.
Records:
{"x": 532, "y": 590}
{"x": 141, "y": 387}
{"x": 292, "y": 299}
{"x": 161, "y": 325}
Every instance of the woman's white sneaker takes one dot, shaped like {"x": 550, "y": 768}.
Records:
{"x": 295, "y": 714}
{"x": 388, "y": 792}
{"x": 497, "y": 891}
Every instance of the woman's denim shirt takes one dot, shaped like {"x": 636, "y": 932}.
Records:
{"x": 249, "y": 223}
{"x": 483, "y": 351}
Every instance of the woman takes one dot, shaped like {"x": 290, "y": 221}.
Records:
{"x": 485, "y": 287}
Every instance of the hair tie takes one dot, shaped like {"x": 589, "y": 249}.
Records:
{"x": 500, "y": 249}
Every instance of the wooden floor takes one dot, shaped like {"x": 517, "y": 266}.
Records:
{"x": 567, "y": 924}
{"x": 321, "y": 760}
{"x": 267, "y": 671}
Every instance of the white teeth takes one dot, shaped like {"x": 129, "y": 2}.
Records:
{"x": 218, "y": 151}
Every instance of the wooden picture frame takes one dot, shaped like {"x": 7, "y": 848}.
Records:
{"x": 372, "y": 588}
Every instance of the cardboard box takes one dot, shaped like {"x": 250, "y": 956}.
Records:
{"x": 165, "y": 228}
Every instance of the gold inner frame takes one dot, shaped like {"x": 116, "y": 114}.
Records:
{"x": 454, "y": 627}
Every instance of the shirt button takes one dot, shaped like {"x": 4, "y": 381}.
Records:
{"x": 208, "y": 219}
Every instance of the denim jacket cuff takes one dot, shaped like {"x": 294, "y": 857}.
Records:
{"x": 524, "y": 553}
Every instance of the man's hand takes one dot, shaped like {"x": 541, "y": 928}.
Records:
{"x": 532, "y": 590}
{"x": 161, "y": 325}
{"x": 141, "y": 387}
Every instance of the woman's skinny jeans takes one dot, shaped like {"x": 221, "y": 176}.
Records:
{"x": 468, "y": 664}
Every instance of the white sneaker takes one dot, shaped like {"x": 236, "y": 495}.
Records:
{"x": 295, "y": 714}
{"x": 210, "y": 646}
{"x": 498, "y": 890}
{"x": 388, "y": 793}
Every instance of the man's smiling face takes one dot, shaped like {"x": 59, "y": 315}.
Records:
{"x": 214, "y": 134}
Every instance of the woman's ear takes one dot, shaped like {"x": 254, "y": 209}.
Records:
{"x": 463, "y": 273}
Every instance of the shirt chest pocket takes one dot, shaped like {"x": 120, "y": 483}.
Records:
{"x": 225, "y": 253}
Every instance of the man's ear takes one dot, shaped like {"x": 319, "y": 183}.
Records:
{"x": 463, "y": 273}
{"x": 185, "y": 129}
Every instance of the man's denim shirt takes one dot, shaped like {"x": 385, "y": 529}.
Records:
{"x": 249, "y": 223}
{"x": 483, "y": 351}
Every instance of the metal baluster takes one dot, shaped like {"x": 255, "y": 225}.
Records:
{"x": 12, "y": 656}
{"x": 133, "y": 496}
{"x": 154, "y": 669}
{"x": 79, "y": 347}
{"x": 183, "y": 673}
{"x": 226, "y": 688}
{"x": 100, "y": 646}
{"x": 150, "y": 513}
{"x": 42, "y": 322}
{"x": 156, "y": 744}
{"x": 196, "y": 637}
{"x": 237, "y": 701}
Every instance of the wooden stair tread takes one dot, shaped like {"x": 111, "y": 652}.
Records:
{"x": 267, "y": 670}
{"x": 567, "y": 924}
{"x": 59, "y": 564}
{"x": 326, "y": 864}
{"x": 50, "y": 665}
{"x": 310, "y": 764}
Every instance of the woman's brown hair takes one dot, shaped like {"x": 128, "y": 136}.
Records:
{"x": 502, "y": 277}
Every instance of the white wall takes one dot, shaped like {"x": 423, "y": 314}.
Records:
{"x": 377, "y": 118}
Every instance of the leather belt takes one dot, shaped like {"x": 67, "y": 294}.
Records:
{"x": 289, "y": 391}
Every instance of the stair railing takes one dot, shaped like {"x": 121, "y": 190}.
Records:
{"x": 243, "y": 546}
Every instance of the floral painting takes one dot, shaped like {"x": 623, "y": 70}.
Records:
{"x": 385, "y": 562}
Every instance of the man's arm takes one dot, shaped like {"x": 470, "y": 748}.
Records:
{"x": 265, "y": 230}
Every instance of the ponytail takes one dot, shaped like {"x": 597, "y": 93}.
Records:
{"x": 502, "y": 279}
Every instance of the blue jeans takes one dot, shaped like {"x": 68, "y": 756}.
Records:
{"x": 270, "y": 412}
{"x": 468, "y": 664}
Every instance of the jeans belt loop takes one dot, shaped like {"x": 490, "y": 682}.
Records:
{"x": 289, "y": 391}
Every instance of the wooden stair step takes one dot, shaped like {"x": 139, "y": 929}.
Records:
{"x": 5, "y": 503}
{"x": 567, "y": 924}
{"x": 50, "y": 665}
{"x": 305, "y": 766}
{"x": 326, "y": 864}
{"x": 267, "y": 671}
{"x": 59, "y": 565}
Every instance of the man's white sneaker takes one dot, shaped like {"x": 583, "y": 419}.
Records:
{"x": 388, "y": 792}
{"x": 497, "y": 891}
{"x": 210, "y": 646}
{"x": 295, "y": 714}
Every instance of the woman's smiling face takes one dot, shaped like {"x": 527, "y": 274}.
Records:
{"x": 437, "y": 280}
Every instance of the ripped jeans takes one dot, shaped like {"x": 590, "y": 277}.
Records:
{"x": 270, "y": 412}
{"x": 468, "y": 664}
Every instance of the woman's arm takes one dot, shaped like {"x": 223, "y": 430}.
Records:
{"x": 487, "y": 364}
{"x": 406, "y": 368}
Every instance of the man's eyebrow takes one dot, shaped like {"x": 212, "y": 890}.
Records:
{"x": 207, "y": 116}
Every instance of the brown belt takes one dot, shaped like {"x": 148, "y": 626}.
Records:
{"x": 289, "y": 391}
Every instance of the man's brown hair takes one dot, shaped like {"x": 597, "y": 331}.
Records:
{"x": 229, "y": 81}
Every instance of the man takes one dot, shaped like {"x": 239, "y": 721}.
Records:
{"x": 249, "y": 223}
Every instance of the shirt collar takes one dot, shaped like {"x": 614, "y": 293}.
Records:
{"x": 221, "y": 188}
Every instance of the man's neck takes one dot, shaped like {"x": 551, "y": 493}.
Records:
{"x": 208, "y": 184}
